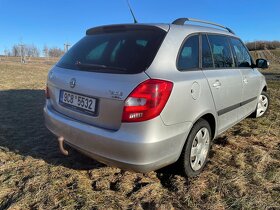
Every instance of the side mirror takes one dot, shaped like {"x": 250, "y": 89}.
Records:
{"x": 262, "y": 63}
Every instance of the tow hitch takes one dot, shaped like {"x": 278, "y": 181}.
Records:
{"x": 61, "y": 145}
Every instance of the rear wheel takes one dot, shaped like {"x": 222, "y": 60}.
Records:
{"x": 196, "y": 150}
{"x": 262, "y": 106}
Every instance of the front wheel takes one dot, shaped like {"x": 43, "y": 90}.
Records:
{"x": 262, "y": 106}
{"x": 196, "y": 150}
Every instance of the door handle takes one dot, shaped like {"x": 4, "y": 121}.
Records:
{"x": 217, "y": 84}
{"x": 245, "y": 80}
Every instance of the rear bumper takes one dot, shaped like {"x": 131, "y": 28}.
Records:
{"x": 141, "y": 147}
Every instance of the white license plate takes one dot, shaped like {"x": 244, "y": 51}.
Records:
{"x": 77, "y": 101}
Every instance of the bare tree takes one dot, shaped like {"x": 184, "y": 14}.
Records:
{"x": 55, "y": 52}
{"x": 15, "y": 50}
{"x": 32, "y": 51}
{"x": 22, "y": 51}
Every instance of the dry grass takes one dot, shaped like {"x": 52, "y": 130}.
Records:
{"x": 276, "y": 52}
{"x": 243, "y": 171}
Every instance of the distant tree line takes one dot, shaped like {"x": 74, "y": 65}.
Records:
{"x": 261, "y": 45}
{"x": 26, "y": 50}
{"x": 52, "y": 52}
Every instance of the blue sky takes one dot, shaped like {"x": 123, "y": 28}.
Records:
{"x": 54, "y": 22}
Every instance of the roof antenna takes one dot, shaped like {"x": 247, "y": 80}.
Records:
{"x": 135, "y": 21}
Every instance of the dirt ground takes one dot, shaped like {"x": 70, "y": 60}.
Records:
{"x": 243, "y": 171}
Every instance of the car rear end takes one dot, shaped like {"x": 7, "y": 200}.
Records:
{"x": 100, "y": 99}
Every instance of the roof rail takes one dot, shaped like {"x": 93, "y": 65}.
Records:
{"x": 181, "y": 21}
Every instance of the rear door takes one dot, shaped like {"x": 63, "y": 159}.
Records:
{"x": 250, "y": 78}
{"x": 107, "y": 91}
{"x": 224, "y": 80}
{"x": 92, "y": 80}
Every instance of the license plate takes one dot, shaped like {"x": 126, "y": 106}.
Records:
{"x": 77, "y": 101}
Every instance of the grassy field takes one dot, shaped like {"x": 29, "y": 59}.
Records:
{"x": 243, "y": 171}
{"x": 276, "y": 52}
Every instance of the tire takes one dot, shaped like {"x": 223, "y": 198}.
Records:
{"x": 262, "y": 106}
{"x": 196, "y": 149}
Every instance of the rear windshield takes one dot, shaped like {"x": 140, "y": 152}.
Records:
{"x": 127, "y": 50}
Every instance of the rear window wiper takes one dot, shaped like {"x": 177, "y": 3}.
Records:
{"x": 89, "y": 65}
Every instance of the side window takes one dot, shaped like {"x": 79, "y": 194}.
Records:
{"x": 189, "y": 55}
{"x": 97, "y": 52}
{"x": 116, "y": 49}
{"x": 143, "y": 43}
{"x": 221, "y": 51}
{"x": 241, "y": 54}
{"x": 207, "y": 60}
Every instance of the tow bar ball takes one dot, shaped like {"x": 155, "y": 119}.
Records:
{"x": 61, "y": 146}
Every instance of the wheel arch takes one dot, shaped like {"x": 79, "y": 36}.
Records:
{"x": 212, "y": 122}
{"x": 263, "y": 86}
{"x": 211, "y": 119}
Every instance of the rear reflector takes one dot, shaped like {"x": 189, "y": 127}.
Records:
{"x": 47, "y": 93}
{"x": 147, "y": 100}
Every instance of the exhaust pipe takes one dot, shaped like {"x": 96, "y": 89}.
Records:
{"x": 61, "y": 146}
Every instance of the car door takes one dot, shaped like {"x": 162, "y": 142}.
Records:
{"x": 250, "y": 78}
{"x": 224, "y": 80}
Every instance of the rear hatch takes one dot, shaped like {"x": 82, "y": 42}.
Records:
{"x": 92, "y": 80}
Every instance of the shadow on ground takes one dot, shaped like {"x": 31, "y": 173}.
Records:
{"x": 22, "y": 130}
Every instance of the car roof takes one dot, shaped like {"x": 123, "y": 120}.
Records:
{"x": 201, "y": 29}
{"x": 189, "y": 28}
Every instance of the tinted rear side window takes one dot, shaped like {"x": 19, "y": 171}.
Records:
{"x": 241, "y": 54}
{"x": 115, "y": 51}
{"x": 221, "y": 51}
{"x": 207, "y": 60}
{"x": 189, "y": 54}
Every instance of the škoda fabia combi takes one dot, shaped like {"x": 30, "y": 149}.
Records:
{"x": 143, "y": 96}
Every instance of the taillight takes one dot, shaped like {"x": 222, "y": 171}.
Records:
{"x": 147, "y": 100}
{"x": 47, "y": 93}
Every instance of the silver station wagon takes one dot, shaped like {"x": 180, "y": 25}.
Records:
{"x": 143, "y": 96}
